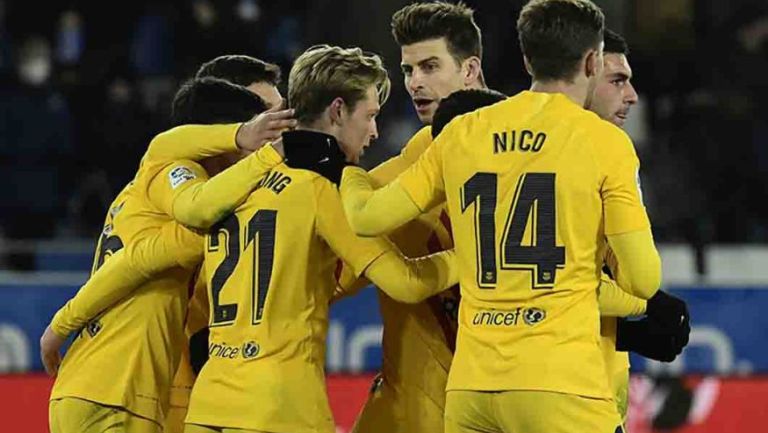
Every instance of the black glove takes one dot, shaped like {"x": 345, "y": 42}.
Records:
{"x": 314, "y": 151}
{"x": 669, "y": 311}
{"x": 662, "y": 334}
{"x": 198, "y": 349}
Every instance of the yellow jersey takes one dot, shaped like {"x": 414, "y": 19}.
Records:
{"x": 533, "y": 184}
{"x": 271, "y": 274}
{"x": 418, "y": 339}
{"x": 150, "y": 251}
{"x": 127, "y": 356}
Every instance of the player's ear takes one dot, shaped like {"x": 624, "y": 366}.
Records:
{"x": 528, "y": 67}
{"x": 593, "y": 63}
{"x": 472, "y": 70}
{"x": 335, "y": 110}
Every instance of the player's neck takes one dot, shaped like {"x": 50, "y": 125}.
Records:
{"x": 576, "y": 93}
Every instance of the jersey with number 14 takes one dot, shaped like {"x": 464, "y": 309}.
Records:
{"x": 534, "y": 184}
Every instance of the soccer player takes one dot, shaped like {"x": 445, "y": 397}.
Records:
{"x": 441, "y": 51}
{"x": 93, "y": 392}
{"x": 262, "y": 79}
{"x": 534, "y": 185}
{"x": 271, "y": 265}
{"x": 661, "y": 335}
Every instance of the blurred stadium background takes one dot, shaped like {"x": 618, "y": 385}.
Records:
{"x": 85, "y": 84}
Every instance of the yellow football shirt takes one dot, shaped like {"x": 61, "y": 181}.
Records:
{"x": 418, "y": 339}
{"x": 147, "y": 328}
{"x": 533, "y": 184}
{"x": 271, "y": 275}
{"x": 144, "y": 331}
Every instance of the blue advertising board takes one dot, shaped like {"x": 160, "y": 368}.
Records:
{"x": 729, "y": 332}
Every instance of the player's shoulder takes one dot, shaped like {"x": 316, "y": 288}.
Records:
{"x": 417, "y": 144}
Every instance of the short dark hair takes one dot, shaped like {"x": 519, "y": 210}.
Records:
{"x": 462, "y": 102}
{"x": 555, "y": 34}
{"x": 241, "y": 70}
{"x": 207, "y": 101}
{"x": 615, "y": 43}
{"x": 419, "y": 22}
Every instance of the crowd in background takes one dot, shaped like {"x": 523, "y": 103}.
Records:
{"x": 85, "y": 85}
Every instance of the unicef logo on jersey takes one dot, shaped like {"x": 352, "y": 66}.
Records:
{"x": 532, "y": 316}
{"x": 250, "y": 350}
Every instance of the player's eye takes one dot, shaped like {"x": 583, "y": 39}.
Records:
{"x": 407, "y": 71}
{"x": 430, "y": 67}
{"x": 619, "y": 82}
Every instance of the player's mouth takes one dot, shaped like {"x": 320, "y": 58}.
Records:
{"x": 423, "y": 105}
{"x": 621, "y": 116}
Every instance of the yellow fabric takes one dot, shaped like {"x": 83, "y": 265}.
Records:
{"x": 145, "y": 330}
{"x": 546, "y": 133}
{"x": 183, "y": 190}
{"x": 418, "y": 339}
{"x": 616, "y": 364}
{"x": 194, "y": 142}
{"x": 528, "y": 412}
{"x": 266, "y": 366}
{"x": 401, "y": 409}
{"x": 74, "y": 415}
{"x": 193, "y": 428}
{"x": 615, "y": 302}
{"x": 388, "y": 171}
{"x": 168, "y": 246}
{"x": 639, "y": 264}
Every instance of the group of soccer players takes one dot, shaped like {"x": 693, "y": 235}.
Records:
{"x": 487, "y": 236}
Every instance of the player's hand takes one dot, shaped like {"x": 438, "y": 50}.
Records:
{"x": 651, "y": 339}
{"x": 50, "y": 351}
{"x": 669, "y": 310}
{"x": 198, "y": 349}
{"x": 264, "y": 128}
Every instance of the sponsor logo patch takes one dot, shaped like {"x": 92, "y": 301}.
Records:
{"x": 179, "y": 175}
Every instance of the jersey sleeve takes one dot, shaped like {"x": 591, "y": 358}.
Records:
{"x": 423, "y": 181}
{"x": 403, "y": 279}
{"x": 614, "y": 302}
{"x": 332, "y": 225}
{"x": 374, "y": 212}
{"x": 182, "y": 189}
{"x": 623, "y": 207}
{"x": 389, "y": 170}
{"x": 126, "y": 270}
{"x": 195, "y": 142}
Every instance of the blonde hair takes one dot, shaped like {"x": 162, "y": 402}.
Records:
{"x": 323, "y": 73}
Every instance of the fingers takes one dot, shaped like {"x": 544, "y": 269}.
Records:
{"x": 281, "y": 124}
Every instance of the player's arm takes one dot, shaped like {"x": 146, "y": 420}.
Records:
{"x": 197, "y": 142}
{"x": 375, "y": 212}
{"x": 626, "y": 223}
{"x": 403, "y": 279}
{"x": 184, "y": 191}
{"x": 390, "y": 169}
{"x": 615, "y": 302}
{"x": 127, "y": 269}
{"x": 194, "y": 142}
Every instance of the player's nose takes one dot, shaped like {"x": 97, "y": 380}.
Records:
{"x": 630, "y": 96}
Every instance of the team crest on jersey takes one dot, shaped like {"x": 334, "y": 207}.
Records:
{"x": 179, "y": 175}
{"x": 250, "y": 350}
{"x": 533, "y": 315}
{"x": 93, "y": 328}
